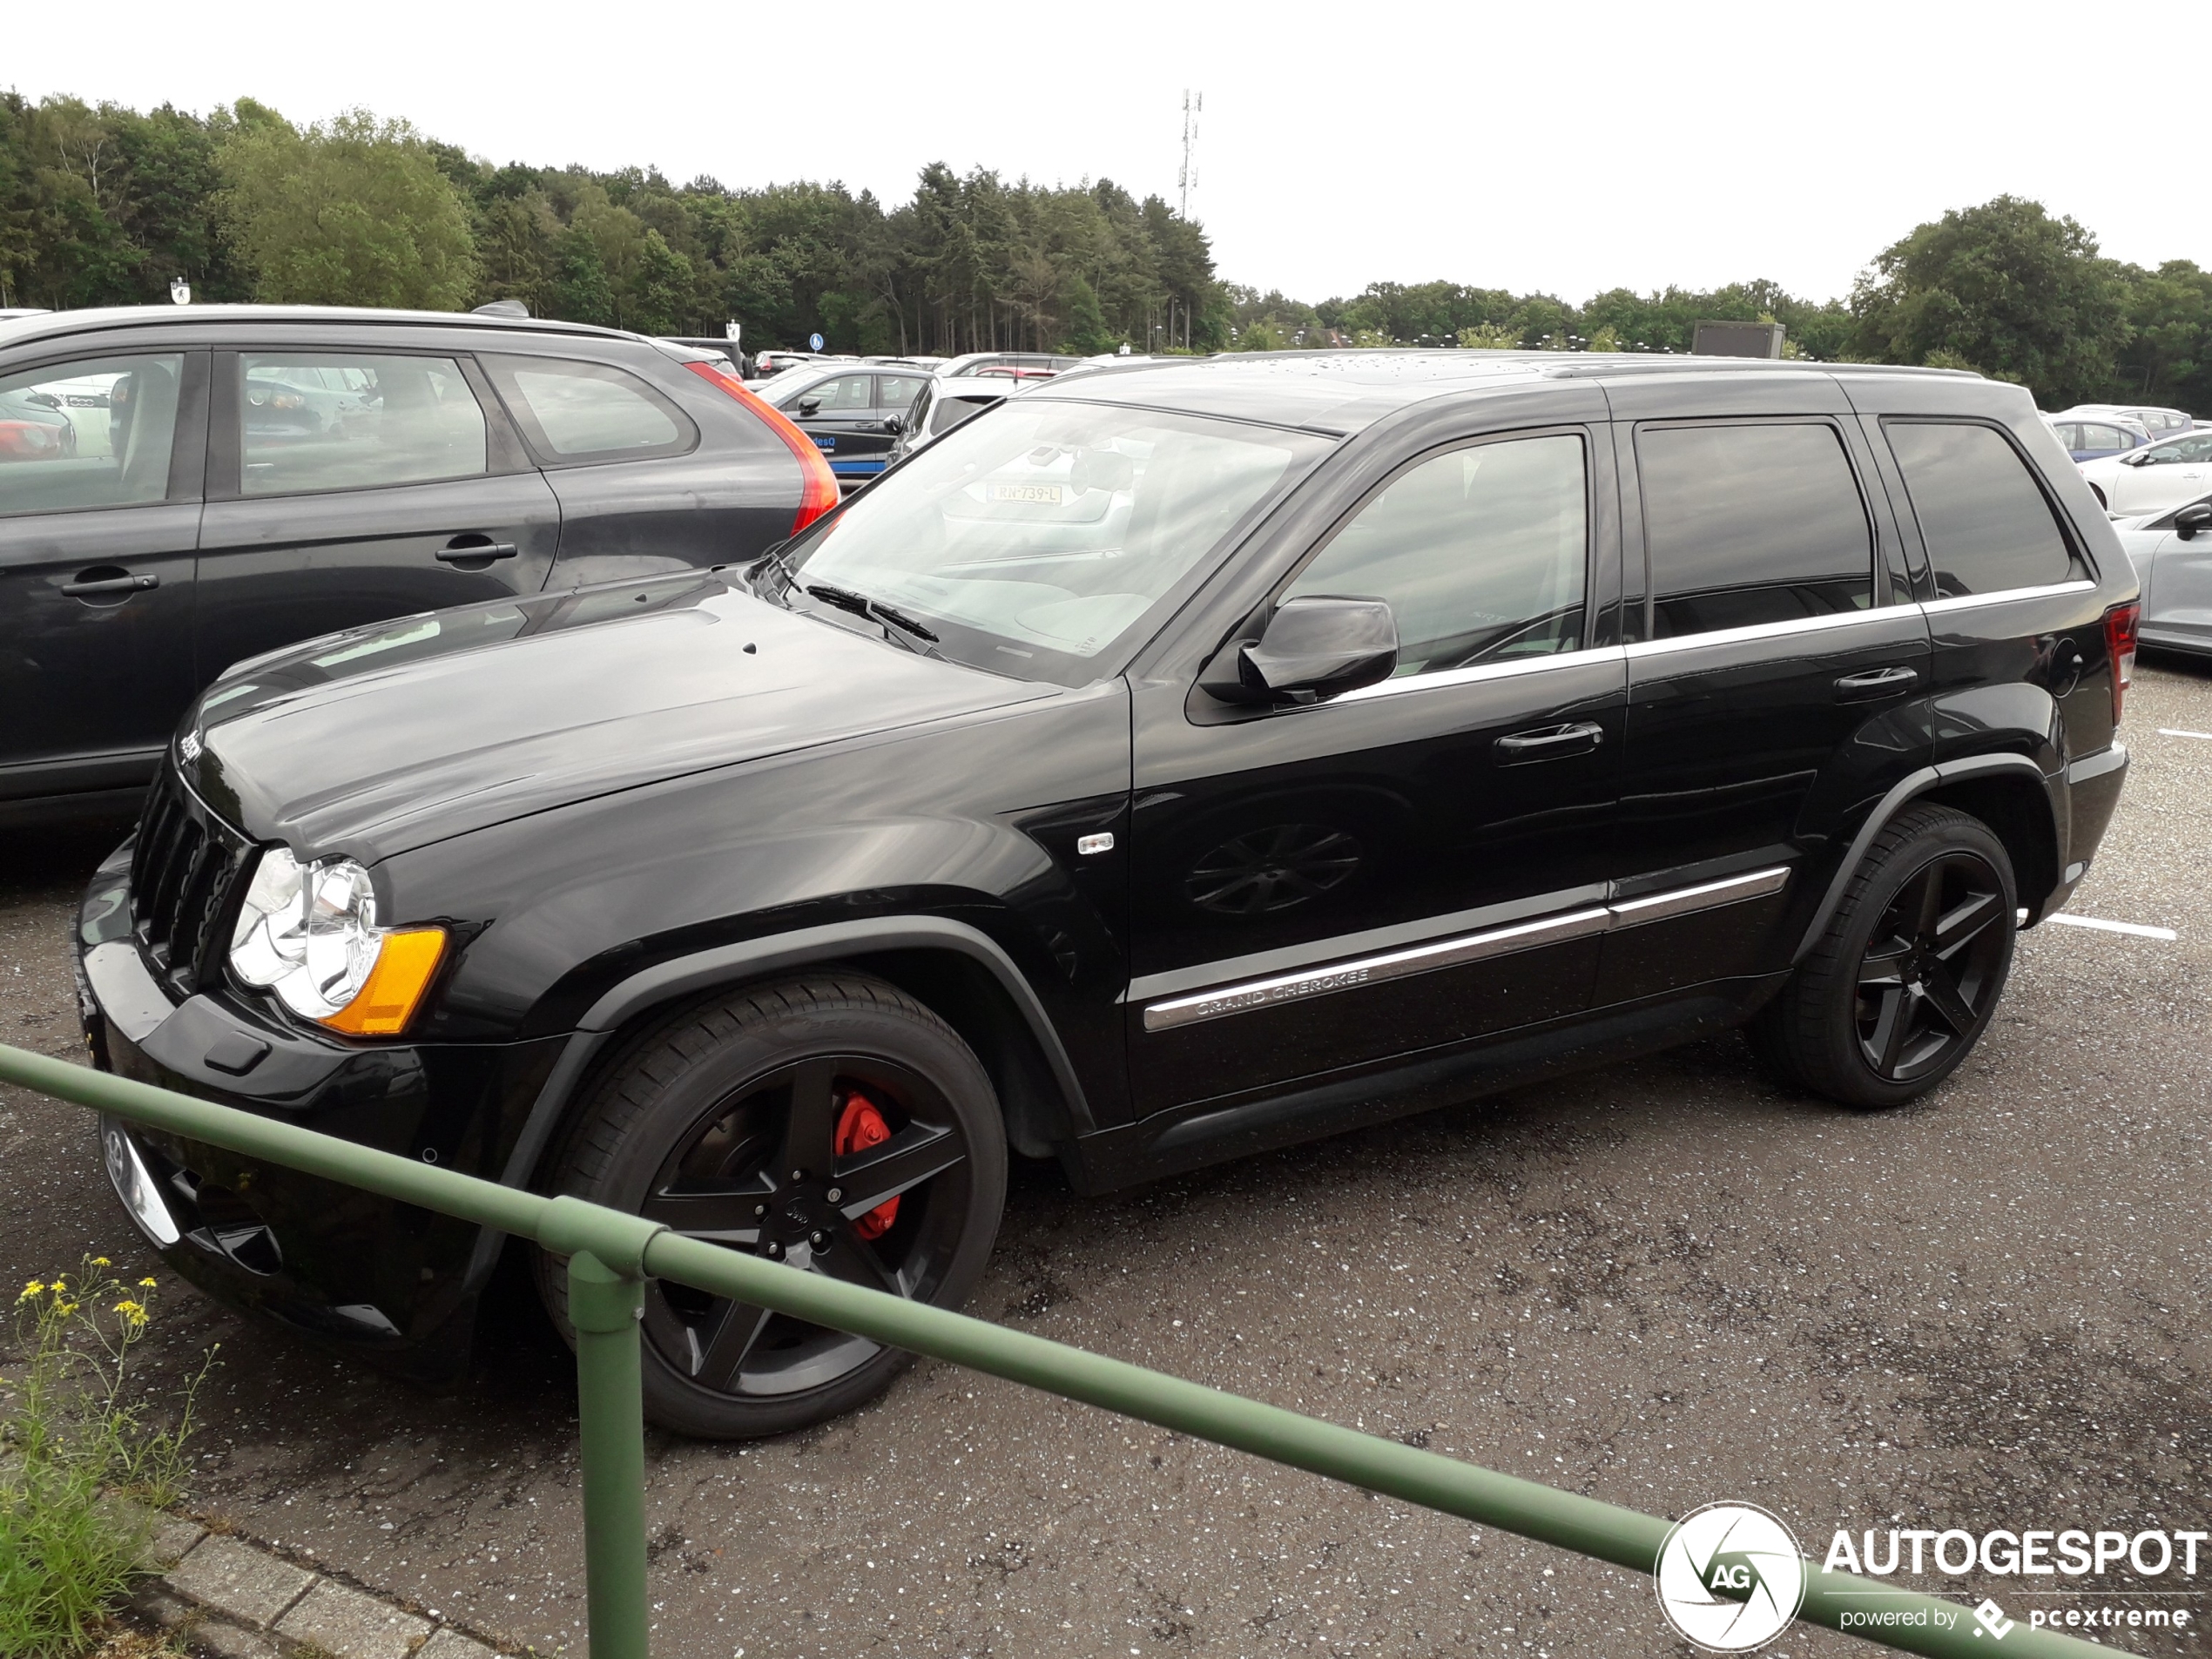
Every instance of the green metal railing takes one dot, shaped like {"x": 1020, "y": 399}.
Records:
{"x": 610, "y": 1254}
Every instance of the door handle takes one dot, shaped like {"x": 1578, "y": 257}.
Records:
{"x": 111, "y": 584}
{"x": 456, "y": 552}
{"x": 1553, "y": 743}
{"x": 1876, "y": 683}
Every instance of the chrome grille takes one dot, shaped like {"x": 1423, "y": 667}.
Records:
{"x": 185, "y": 875}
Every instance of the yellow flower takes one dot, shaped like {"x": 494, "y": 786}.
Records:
{"x": 147, "y": 1283}
{"x": 102, "y": 1261}
{"x": 30, "y": 1289}
{"x": 64, "y": 1308}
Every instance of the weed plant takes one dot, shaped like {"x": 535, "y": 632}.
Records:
{"x": 74, "y": 1434}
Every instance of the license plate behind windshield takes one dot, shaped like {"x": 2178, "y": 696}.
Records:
{"x": 1048, "y": 494}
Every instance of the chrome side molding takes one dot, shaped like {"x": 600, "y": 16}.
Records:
{"x": 1680, "y": 901}
{"x": 1453, "y": 952}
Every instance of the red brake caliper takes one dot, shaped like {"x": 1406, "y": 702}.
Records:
{"x": 860, "y": 1126}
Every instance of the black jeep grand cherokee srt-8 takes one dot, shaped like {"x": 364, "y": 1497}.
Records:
{"x": 1181, "y": 762}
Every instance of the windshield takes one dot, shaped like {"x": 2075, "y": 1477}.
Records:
{"x": 1033, "y": 539}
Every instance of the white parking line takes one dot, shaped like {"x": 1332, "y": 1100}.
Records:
{"x": 2168, "y": 732}
{"x": 2134, "y": 928}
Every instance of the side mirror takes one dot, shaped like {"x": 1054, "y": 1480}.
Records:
{"x": 894, "y": 425}
{"x": 809, "y": 406}
{"x": 2192, "y": 520}
{"x": 1312, "y": 649}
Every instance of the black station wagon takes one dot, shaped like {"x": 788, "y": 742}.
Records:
{"x": 181, "y": 487}
{"x": 1164, "y": 765}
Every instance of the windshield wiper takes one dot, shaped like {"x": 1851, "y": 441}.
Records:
{"x": 777, "y": 558}
{"x": 909, "y": 632}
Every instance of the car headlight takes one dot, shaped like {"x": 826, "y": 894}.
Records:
{"x": 308, "y": 933}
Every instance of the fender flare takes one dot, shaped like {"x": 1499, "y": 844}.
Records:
{"x": 775, "y": 953}
{"x": 1902, "y": 792}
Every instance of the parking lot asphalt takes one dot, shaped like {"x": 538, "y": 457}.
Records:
{"x": 1664, "y": 1283}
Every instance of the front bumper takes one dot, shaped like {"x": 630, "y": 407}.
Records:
{"x": 397, "y": 1282}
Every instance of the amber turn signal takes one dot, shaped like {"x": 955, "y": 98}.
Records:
{"x": 405, "y": 962}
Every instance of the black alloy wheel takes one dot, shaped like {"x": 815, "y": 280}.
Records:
{"x": 1933, "y": 967}
{"x": 1902, "y": 982}
{"x": 833, "y": 1124}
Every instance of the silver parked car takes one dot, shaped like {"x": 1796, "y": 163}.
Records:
{"x": 2172, "y": 552}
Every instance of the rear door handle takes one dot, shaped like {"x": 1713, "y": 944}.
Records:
{"x": 458, "y": 552}
{"x": 112, "y": 584}
{"x": 1875, "y": 682}
{"x": 1553, "y": 743}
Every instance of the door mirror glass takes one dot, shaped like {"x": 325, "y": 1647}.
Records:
{"x": 809, "y": 406}
{"x": 2192, "y": 520}
{"x": 894, "y": 425}
{"x": 1313, "y": 648}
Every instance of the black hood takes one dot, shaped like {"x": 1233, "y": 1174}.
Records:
{"x": 380, "y": 739}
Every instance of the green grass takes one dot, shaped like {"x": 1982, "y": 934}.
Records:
{"x": 72, "y": 1434}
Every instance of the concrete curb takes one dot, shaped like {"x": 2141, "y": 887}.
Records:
{"x": 238, "y": 1600}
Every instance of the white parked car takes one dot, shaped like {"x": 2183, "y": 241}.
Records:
{"x": 2159, "y": 422}
{"x": 2172, "y": 553}
{"x": 2155, "y": 477}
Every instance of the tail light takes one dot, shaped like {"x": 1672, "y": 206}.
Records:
{"x": 818, "y": 489}
{"x": 2120, "y": 645}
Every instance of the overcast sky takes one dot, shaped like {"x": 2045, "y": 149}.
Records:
{"x": 1569, "y": 149}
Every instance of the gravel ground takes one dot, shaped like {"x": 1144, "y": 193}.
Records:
{"x": 1664, "y": 1283}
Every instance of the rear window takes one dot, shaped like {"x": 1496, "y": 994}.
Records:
{"x": 577, "y": 411}
{"x": 1751, "y": 524}
{"x": 1986, "y": 523}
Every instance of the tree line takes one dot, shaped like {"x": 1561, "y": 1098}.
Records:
{"x": 102, "y": 205}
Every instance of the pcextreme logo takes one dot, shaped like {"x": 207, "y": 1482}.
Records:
{"x": 1730, "y": 1577}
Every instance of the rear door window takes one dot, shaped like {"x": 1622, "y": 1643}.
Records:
{"x": 1747, "y": 524}
{"x": 576, "y": 412}
{"x": 1986, "y": 524}
{"x": 313, "y": 420}
{"x": 94, "y": 432}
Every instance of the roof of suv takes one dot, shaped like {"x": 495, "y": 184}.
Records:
{"x": 55, "y": 323}
{"x": 1343, "y": 391}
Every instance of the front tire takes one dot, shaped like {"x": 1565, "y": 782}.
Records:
{"x": 1905, "y": 975}
{"x": 832, "y": 1122}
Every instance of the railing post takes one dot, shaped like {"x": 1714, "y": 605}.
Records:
{"x": 604, "y": 1308}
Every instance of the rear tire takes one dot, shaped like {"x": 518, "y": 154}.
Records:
{"x": 1902, "y": 980}
{"x": 735, "y": 1122}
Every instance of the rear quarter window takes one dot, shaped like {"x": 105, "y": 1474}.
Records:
{"x": 1985, "y": 522}
{"x": 576, "y": 412}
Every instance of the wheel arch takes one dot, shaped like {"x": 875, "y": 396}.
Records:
{"x": 957, "y": 971}
{"x": 2009, "y": 793}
